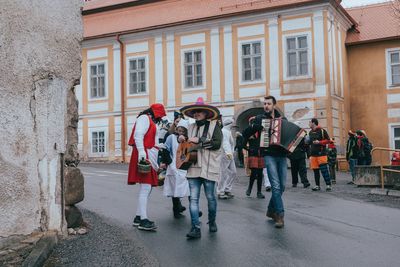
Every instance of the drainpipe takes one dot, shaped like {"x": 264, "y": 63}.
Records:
{"x": 123, "y": 124}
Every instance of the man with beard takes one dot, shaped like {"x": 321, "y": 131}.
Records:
{"x": 275, "y": 162}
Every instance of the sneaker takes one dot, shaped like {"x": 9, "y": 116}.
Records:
{"x": 229, "y": 195}
{"x": 268, "y": 188}
{"x": 351, "y": 182}
{"x": 260, "y": 195}
{"x": 212, "y": 227}
{"x": 182, "y": 209}
{"x": 222, "y": 196}
{"x": 147, "y": 225}
{"x": 248, "y": 192}
{"x": 328, "y": 188}
{"x": 194, "y": 233}
{"x": 136, "y": 221}
{"x": 316, "y": 188}
{"x": 306, "y": 185}
{"x": 294, "y": 185}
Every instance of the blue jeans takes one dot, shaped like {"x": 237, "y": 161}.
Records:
{"x": 352, "y": 164}
{"x": 277, "y": 171}
{"x": 209, "y": 189}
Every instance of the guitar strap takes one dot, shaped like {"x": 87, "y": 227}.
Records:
{"x": 206, "y": 127}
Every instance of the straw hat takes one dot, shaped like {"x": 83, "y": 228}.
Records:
{"x": 212, "y": 112}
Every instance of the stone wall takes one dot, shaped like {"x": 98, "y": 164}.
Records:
{"x": 40, "y": 63}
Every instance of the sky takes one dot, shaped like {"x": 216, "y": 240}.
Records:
{"x": 352, "y": 3}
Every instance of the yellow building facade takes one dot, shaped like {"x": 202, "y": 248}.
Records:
{"x": 296, "y": 54}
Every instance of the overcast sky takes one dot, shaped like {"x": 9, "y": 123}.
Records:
{"x": 352, "y": 3}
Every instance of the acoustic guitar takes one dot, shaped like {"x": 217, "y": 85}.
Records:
{"x": 186, "y": 155}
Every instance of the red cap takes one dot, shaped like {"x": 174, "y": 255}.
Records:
{"x": 158, "y": 110}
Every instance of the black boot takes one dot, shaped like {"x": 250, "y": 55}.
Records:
{"x": 194, "y": 233}
{"x": 176, "y": 207}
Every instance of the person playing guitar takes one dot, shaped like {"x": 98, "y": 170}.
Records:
{"x": 207, "y": 135}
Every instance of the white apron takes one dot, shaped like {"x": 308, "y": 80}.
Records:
{"x": 175, "y": 184}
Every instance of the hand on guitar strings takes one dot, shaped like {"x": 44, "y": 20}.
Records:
{"x": 194, "y": 140}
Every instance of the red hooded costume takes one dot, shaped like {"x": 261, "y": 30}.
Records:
{"x": 149, "y": 142}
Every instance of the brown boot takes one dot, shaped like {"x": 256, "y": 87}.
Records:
{"x": 279, "y": 223}
{"x": 271, "y": 215}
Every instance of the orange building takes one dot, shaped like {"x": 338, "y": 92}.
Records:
{"x": 374, "y": 72}
{"x": 230, "y": 52}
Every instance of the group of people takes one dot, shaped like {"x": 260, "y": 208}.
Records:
{"x": 214, "y": 169}
{"x": 358, "y": 150}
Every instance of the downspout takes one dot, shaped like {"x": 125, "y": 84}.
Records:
{"x": 123, "y": 124}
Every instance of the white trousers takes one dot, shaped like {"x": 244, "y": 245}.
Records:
{"x": 144, "y": 193}
{"x": 266, "y": 179}
{"x": 227, "y": 176}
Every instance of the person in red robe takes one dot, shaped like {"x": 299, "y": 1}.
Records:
{"x": 144, "y": 142}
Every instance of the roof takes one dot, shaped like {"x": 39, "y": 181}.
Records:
{"x": 145, "y": 15}
{"x": 375, "y": 22}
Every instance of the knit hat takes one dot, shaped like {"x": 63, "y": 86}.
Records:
{"x": 183, "y": 123}
{"x": 228, "y": 122}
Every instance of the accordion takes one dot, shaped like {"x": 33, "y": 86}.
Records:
{"x": 278, "y": 132}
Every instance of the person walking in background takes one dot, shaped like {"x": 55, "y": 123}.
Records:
{"x": 239, "y": 148}
{"x": 319, "y": 138}
{"x": 176, "y": 185}
{"x": 352, "y": 153}
{"x": 255, "y": 161}
{"x": 332, "y": 158}
{"x": 364, "y": 148}
{"x": 228, "y": 168}
{"x": 298, "y": 165}
{"x": 144, "y": 141}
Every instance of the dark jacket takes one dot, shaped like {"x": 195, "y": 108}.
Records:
{"x": 254, "y": 143}
{"x": 317, "y": 150}
{"x": 352, "y": 151}
{"x": 299, "y": 152}
{"x": 239, "y": 142}
{"x": 256, "y": 127}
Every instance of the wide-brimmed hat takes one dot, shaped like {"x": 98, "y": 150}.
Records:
{"x": 212, "y": 112}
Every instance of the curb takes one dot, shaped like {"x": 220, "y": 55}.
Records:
{"x": 379, "y": 191}
{"x": 42, "y": 250}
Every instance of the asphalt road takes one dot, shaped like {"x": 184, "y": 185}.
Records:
{"x": 321, "y": 229}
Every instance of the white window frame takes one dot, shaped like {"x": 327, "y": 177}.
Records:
{"x": 389, "y": 84}
{"x": 98, "y": 154}
{"x": 240, "y": 63}
{"x": 203, "y": 68}
{"x": 309, "y": 54}
{"x": 392, "y": 139}
{"x": 127, "y": 78}
{"x": 96, "y": 62}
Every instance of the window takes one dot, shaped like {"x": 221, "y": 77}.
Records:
{"x": 97, "y": 80}
{"x": 251, "y": 62}
{"x": 137, "y": 76}
{"x": 396, "y": 137}
{"x": 193, "y": 66}
{"x": 98, "y": 142}
{"x": 394, "y": 68}
{"x": 297, "y": 56}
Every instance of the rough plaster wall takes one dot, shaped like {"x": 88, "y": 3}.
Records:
{"x": 40, "y": 62}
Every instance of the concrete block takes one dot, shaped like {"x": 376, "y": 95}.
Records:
{"x": 394, "y": 193}
{"x": 41, "y": 251}
{"x": 379, "y": 191}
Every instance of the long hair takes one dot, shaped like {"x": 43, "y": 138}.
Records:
{"x": 150, "y": 112}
